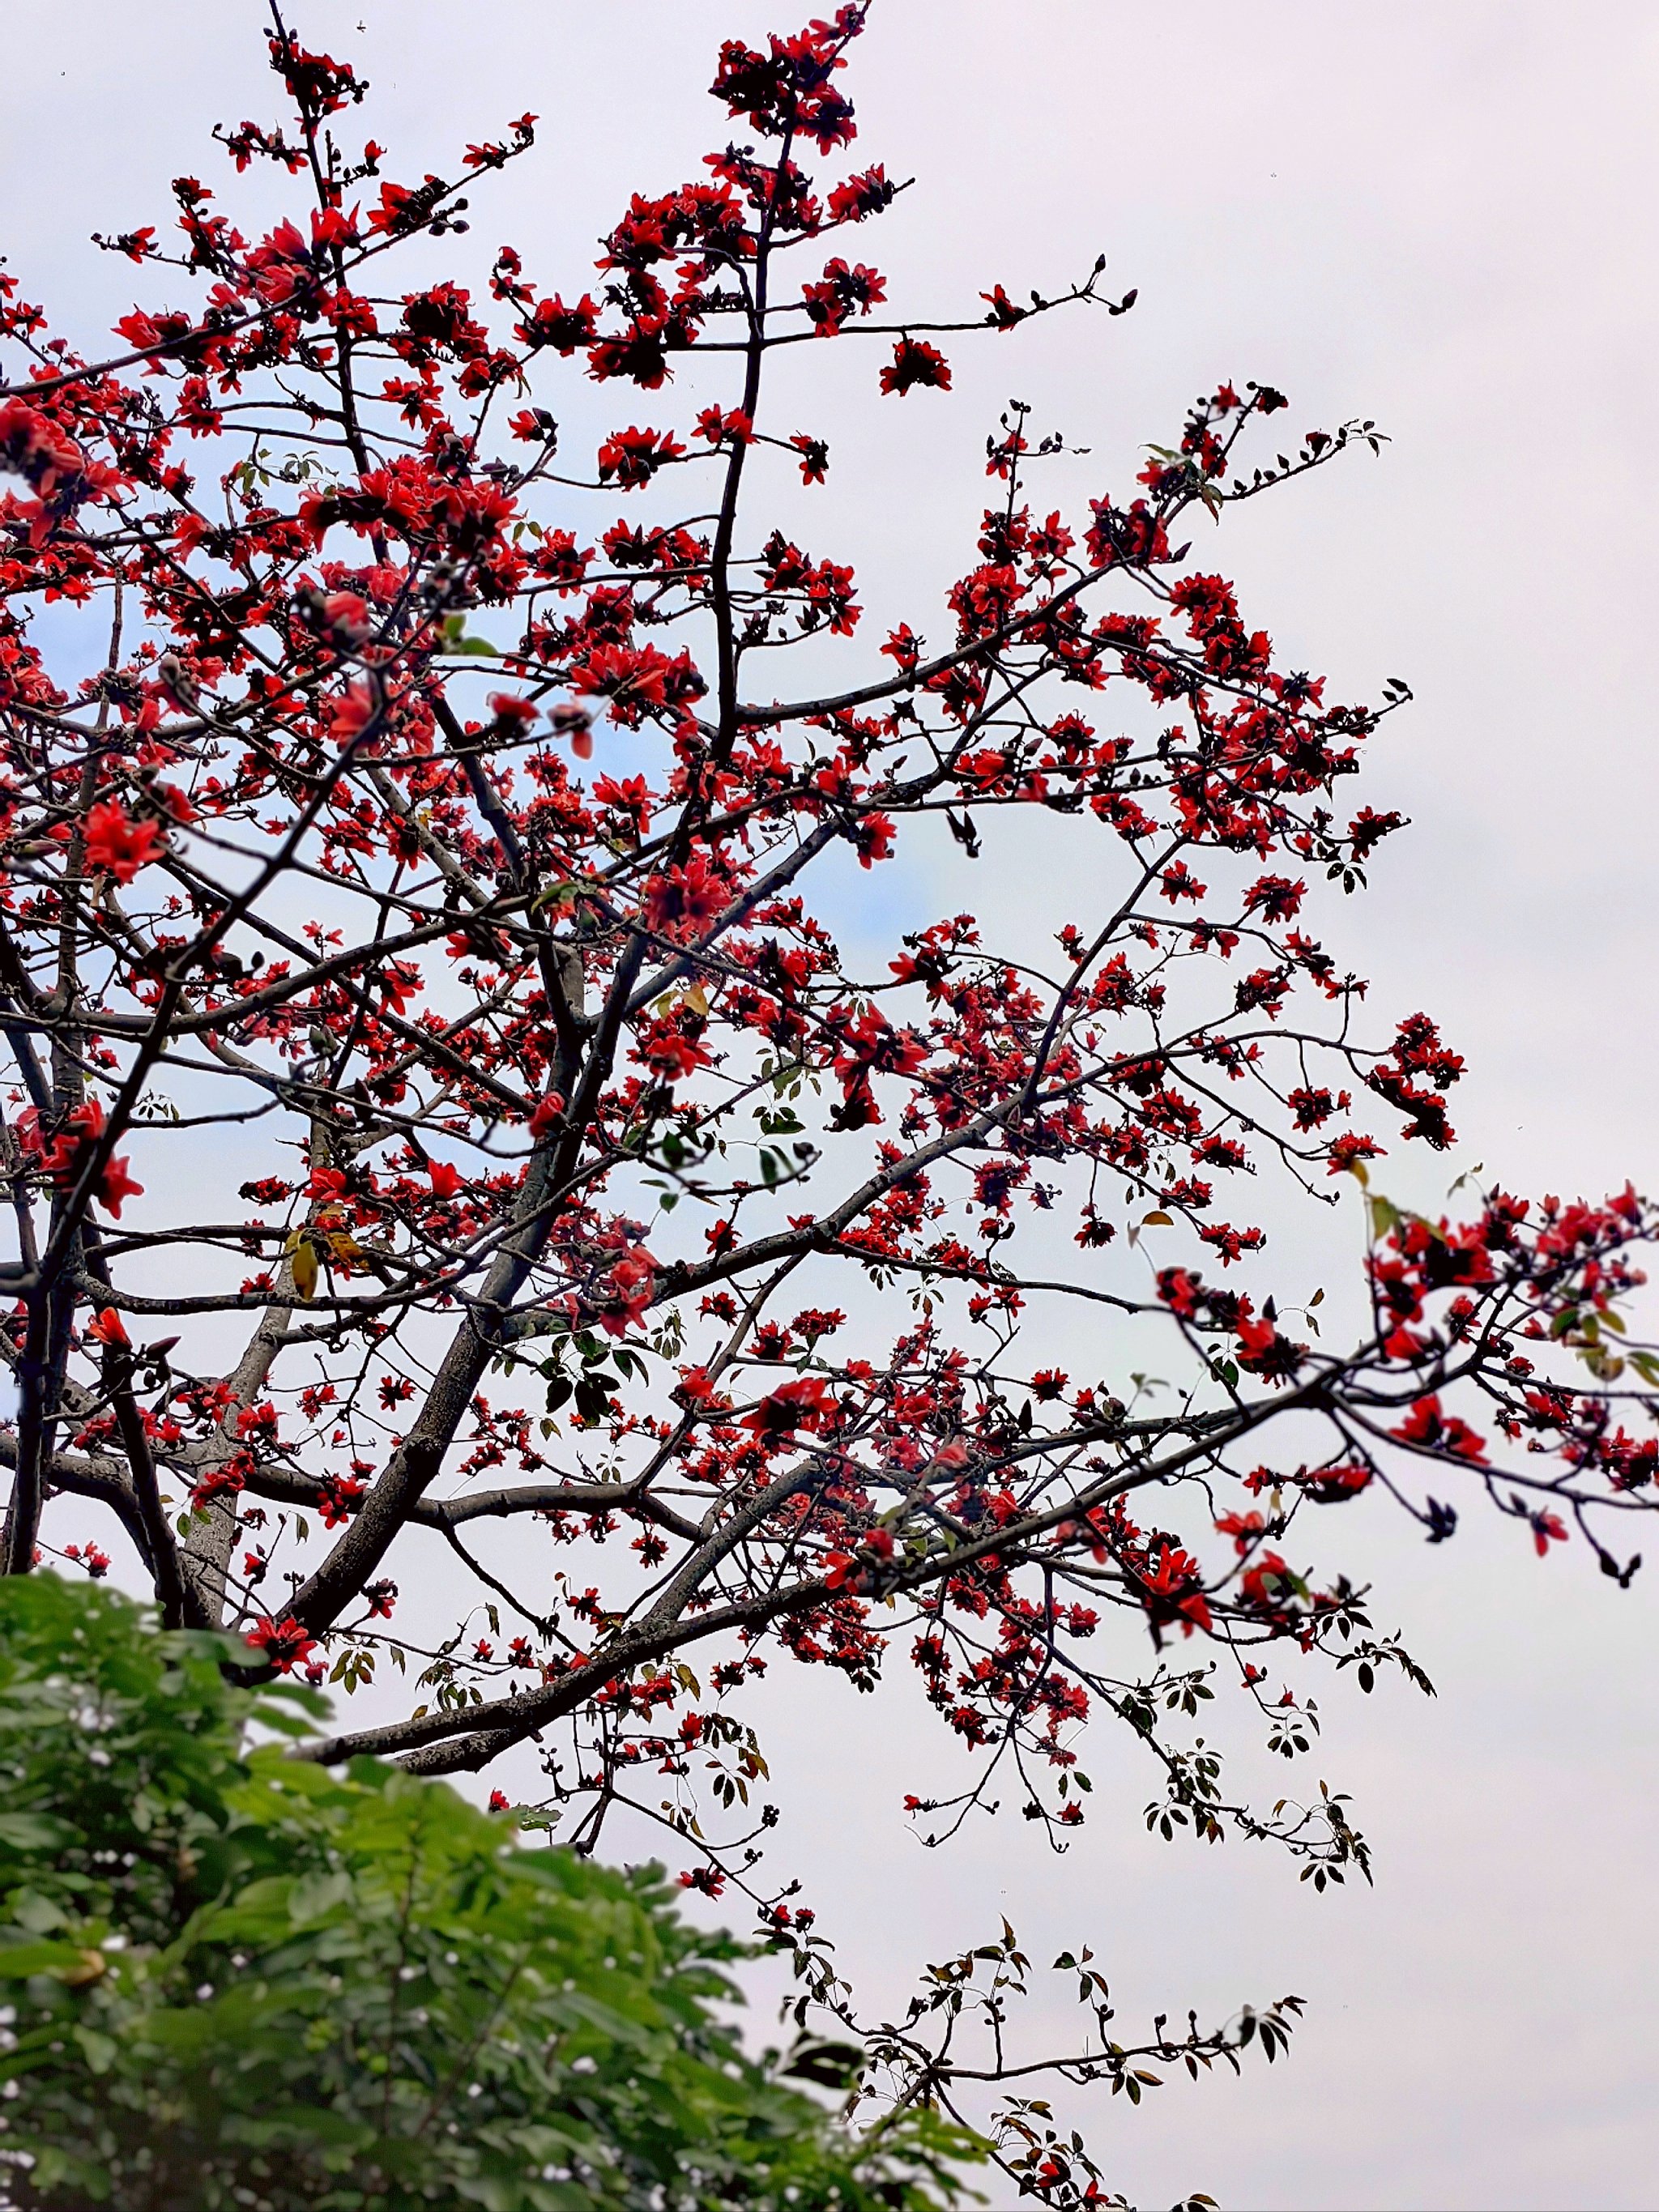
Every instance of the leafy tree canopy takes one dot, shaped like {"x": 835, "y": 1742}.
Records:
{"x": 235, "y": 1979}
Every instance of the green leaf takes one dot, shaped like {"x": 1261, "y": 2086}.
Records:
{"x": 313, "y": 1897}
{"x": 18, "y": 1961}
{"x": 455, "y": 639}
{"x": 101, "y": 2051}
{"x": 34, "y": 1832}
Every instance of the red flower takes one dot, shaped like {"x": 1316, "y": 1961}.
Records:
{"x": 1331, "y": 1486}
{"x": 118, "y": 845}
{"x": 577, "y": 724}
{"x": 337, "y": 1498}
{"x": 562, "y": 328}
{"x": 353, "y": 715}
{"x": 446, "y": 1178}
{"x": 284, "y": 1645}
{"x": 802, "y": 1404}
{"x": 1431, "y": 1430}
{"x": 861, "y": 195}
{"x": 1547, "y": 1528}
{"x": 673, "y": 1055}
{"x": 632, "y": 677}
{"x": 683, "y": 899}
{"x": 116, "y": 1185}
{"x": 1242, "y": 1527}
{"x": 512, "y": 715}
{"x": 1268, "y": 1582}
{"x": 1171, "y": 1590}
{"x": 872, "y": 838}
{"x": 1004, "y": 314}
{"x": 915, "y": 362}
{"x": 719, "y": 425}
{"x": 1262, "y": 1350}
{"x": 814, "y": 457}
{"x": 109, "y": 1327}
{"x": 633, "y": 457}
{"x": 629, "y": 1285}
{"x": 547, "y": 1114}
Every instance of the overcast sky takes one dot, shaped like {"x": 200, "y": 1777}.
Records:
{"x": 1441, "y": 216}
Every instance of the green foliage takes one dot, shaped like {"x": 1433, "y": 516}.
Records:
{"x": 233, "y": 1978}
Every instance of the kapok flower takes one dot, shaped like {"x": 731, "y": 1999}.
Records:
{"x": 802, "y": 1404}
{"x": 118, "y": 845}
{"x": 284, "y": 1644}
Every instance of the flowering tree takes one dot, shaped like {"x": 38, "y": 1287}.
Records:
{"x": 425, "y": 888}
